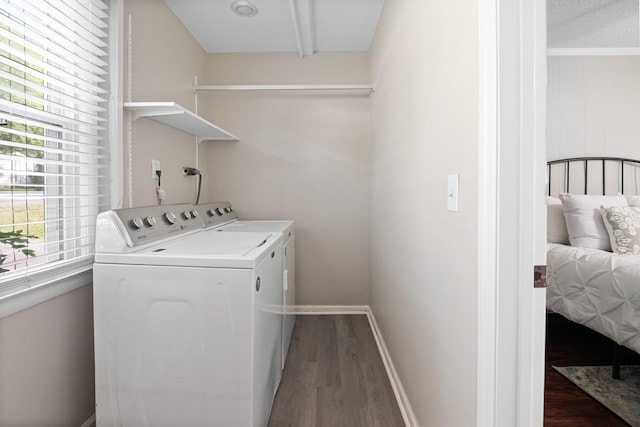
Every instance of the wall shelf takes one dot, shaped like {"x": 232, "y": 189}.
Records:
{"x": 330, "y": 89}
{"x": 178, "y": 117}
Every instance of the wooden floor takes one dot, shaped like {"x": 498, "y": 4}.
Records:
{"x": 334, "y": 377}
{"x": 569, "y": 344}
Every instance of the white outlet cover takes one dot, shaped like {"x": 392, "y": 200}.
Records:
{"x": 453, "y": 181}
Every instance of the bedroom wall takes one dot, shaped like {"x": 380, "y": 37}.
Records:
{"x": 424, "y": 258}
{"x": 165, "y": 59}
{"x": 593, "y": 106}
{"x": 300, "y": 157}
{"x": 46, "y": 363}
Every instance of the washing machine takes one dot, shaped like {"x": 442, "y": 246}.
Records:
{"x": 222, "y": 217}
{"x": 187, "y": 327}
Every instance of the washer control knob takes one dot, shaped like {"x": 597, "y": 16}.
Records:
{"x": 150, "y": 221}
{"x": 136, "y": 223}
{"x": 170, "y": 217}
{"x": 194, "y": 213}
{"x": 230, "y": 208}
{"x": 186, "y": 215}
{"x": 219, "y": 211}
{"x": 211, "y": 212}
{"x": 227, "y": 209}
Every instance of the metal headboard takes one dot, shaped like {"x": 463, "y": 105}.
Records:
{"x": 609, "y": 169}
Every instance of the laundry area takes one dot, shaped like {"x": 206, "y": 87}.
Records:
{"x": 183, "y": 312}
{"x": 285, "y": 179}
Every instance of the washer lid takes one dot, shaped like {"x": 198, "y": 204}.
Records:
{"x": 219, "y": 250}
{"x": 220, "y": 244}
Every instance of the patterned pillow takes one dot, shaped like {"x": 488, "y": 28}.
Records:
{"x": 584, "y": 220}
{"x": 623, "y": 225}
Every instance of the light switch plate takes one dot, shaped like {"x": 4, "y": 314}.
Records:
{"x": 155, "y": 166}
{"x": 452, "y": 192}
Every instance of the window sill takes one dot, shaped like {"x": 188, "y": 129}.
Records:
{"x": 24, "y": 299}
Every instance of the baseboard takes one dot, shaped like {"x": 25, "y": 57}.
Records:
{"x": 331, "y": 309}
{"x": 403, "y": 401}
{"x": 90, "y": 422}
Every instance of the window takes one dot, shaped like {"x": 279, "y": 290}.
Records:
{"x": 54, "y": 113}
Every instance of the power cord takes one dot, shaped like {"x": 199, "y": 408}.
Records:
{"x": 159, "y": 190}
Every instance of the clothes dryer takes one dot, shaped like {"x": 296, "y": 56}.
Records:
{"x": 222, "y": 217}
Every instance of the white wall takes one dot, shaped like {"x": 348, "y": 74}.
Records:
{"x": 300, "y": 157}
{"x": 46, "y": 363}
{"x": 165, "y": 61}
{"x": 423, "y": 257}
{"x": 593, "y": 106}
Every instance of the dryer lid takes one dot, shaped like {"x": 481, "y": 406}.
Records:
{"x": 258, "y": 226}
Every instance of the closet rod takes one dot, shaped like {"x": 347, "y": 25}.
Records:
{"x": 345, "y": 87}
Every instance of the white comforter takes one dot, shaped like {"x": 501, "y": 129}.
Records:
{"x": 598, "y": 289}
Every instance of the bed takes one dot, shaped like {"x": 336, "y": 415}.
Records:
{"x": 593, "y": 254}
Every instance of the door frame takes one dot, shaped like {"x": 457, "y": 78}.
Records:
{"x": 511, "y": 217}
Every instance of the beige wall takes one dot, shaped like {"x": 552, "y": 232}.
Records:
{"x": 593, "y": 106}
{"x": 165, "y": 61}
{"x": 46, "y": 363}
{"x": 423, "y": 257}
{"x": 300, "y": 157}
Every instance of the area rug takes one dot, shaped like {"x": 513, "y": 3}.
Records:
{"x": 620, "y": 396}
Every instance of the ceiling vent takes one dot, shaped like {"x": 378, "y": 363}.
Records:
{"x": 244, "y": 8}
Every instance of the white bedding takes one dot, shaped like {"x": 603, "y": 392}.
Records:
{"x": 598, "y": 289}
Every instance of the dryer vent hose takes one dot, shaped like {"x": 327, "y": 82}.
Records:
{"x": 193, "y": 171}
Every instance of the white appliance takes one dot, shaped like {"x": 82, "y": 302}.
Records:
{"x": 187, "y": 327}
{"x": 222, "y": 217}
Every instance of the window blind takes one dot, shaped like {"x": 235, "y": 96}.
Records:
{"x": 54, "y": 77}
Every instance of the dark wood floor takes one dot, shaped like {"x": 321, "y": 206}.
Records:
{"x": 334, "y": 377}
{"x": 569, "y": 344}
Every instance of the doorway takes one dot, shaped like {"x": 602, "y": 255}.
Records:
{"x": 593, "y": 48}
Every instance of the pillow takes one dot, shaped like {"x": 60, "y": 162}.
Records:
{"x": 584, "y": 220}
{"x": 623, "y": 225}
{"x": 633, "y": 200}
{"x": 556, "y": 225}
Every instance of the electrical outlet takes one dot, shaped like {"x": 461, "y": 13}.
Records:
{"x": 155, "y": 166}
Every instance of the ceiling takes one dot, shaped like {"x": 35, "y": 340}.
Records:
{"x": 592, "y": 23}
{"x": 303, "y": 26}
